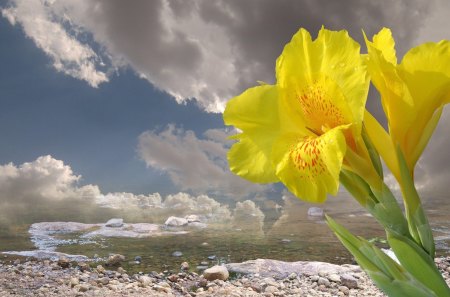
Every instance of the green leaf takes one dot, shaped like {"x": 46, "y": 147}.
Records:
{"x": 387, "y": 274}
{"x": 418, "y": 263}
{"x": 380, "y": 203}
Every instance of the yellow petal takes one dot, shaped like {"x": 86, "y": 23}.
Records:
{"x": 250, "y": 160}
{"x": 255, "y": 112}
{"x": 310, "y": 166}
{"x": 255, "y": 108}
{"x": 330, "y": 70}
{"x": 382, "y": 142}
{"x": 385, "y": 42}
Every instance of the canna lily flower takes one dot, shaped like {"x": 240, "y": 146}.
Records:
{"x": 413, "y": 94}
{"x": 299, "y": 130}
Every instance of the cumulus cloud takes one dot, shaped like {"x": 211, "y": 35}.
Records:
{"x": 49, "y": 32}
{"x": 39, "y": 188}
{"x": 208, "y": 50}
{"x": 43, "y": 179}
{"x": 192, "y": 163}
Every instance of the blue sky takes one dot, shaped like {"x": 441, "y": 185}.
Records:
{"x": 106, "y": 88}
{"x": 95, "y": 130}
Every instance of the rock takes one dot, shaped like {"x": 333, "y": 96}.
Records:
{"x": 315, "y": 212}
{"x": 271, "y": 289}
{"x": 285, "y": 240}
{"x": 323, "y": 281}
{"x": 281, "y": 270}
{"x": 198, "y": 225}
{"x": 115, "y": 259}
{"x": 64, "y": 262}
{"x": 349, "y": 281}
{"x": 74, "y": 281}
{"x": 216, "y": 272}
{"x": 138, "y": 259}
{"x": 176, "y": 222}
{"x": 82, "y": 266}
{"x": 202, "y": 282}
{"x": 100, "y": 269}
{"x": 177, "y": 254}
{"x": 192, "y": 218}
{"x": 212, "y": 257}
{"x": 139, "y": 230}
{"x": 114, "y": 223}
{"x": 83, "y": 288}
{"x": 173, "y": 278}
{"x": 145, "y": 280}
{"x": 104, "y": 280}
{"x": 184, "y": 266}
{"x": 344, "y": 290}
{"x": 334, "y": 278}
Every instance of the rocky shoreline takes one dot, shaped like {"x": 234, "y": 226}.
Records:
{"x": 260, "y": 277}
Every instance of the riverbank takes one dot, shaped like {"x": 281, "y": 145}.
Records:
{"x": 253, "y": 278}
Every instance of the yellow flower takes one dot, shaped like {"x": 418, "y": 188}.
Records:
{"x": 412, "y": 94}
{"x": 299, "y": 130}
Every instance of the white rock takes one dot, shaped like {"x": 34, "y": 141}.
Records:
{"x": 192, "y": 218}
{"x": 315, "y": 212}
{"x": 176, "y": 222}
{"x": 114, "y": 223}
{"x": 216, "y": 272}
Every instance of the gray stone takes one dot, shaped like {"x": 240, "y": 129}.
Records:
{"x": 323, "y": 281}
{"x": 145, "y": 280}
{"x": 271, "y": 289}
{"x": 349, "y": 281}
{"x": 83, "y": 288}
{"x": 74, "y": 281}
{"x": 176, "y": 222}
{"x": 192, "y": 218}
{"x": 281, "y": 270}
{"x": 216, "y": 272}
{"x": 315, "y": 212}
{"x": 104, "y": 280}
{"x": 334, "y": 278}
{"x": 114, "y": 223}
{"x": 177, "y": 254}
{"x": 115, "y": 259}
{"x": 344, "y": 290}
{"x": 184, "y": 266}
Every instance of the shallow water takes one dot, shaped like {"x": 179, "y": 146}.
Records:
{"x": 288, "y": 234}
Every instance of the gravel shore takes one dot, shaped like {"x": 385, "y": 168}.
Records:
{"x": 64, "y": 278}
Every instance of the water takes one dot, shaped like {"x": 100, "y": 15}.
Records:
{"x": 288, "y": 234}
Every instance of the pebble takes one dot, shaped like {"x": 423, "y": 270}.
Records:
{"x": 34, "y": 278}
{"x": 216, "y": 272}
{"x": 349, "y": 281}
{"x": 184, "y": 266}
{"x": 177, "y": 254}
{"x": 115, "y": 259}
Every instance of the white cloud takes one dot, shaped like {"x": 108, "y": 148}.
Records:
{"x": 208, "y": 50}
{"x": 50, "y": 183}
{"x": 195, "y": 164}
{"x": 48, "y": 32}
{"x": 43, "y": 179}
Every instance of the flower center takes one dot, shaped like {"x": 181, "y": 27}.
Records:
{"x": 305, "y": 156}
{"x": 320, "y": 112}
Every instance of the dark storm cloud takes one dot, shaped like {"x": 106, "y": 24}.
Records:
{"x": 212, "y": 50}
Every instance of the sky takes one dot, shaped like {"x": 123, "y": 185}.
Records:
{"x": 118, "y": 99}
